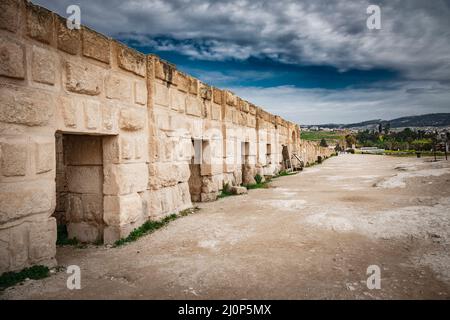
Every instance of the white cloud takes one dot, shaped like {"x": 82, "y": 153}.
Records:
{"x": 318, "y": 106}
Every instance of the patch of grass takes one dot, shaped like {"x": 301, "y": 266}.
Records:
{"x": 224, "y": 194}
{"x": 284, "y": 173}
{"x": 261, "y": 185}
{"x": 151, "y": 226}
{"x": 9, "y": 279}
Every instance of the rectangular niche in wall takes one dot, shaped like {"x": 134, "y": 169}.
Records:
{"x": 79, "y": 186}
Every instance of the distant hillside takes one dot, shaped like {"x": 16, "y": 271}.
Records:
{"x": 426, "y": 120}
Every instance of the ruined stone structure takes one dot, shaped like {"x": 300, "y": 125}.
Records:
{"x": 100, "y": 137}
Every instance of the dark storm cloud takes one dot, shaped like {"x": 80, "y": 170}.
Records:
{"x": 415, "y": 35}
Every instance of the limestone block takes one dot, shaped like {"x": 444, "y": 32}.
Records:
{"x": 12, "y": 62}
{"x": 45, "y": 156}
{"x": 118, "y": 88}
{"x": 178, "y": 101}
{"x": 111, "y": 149}
{"x": 42, "y": 240}
{"x": 43, "y": 66}
{"x": 205, "y": 92}
{"x": 217, "y": 96}
{"x": 13, "y": 158}
{"x": 92, "y": 114}
{"x": 162, "y": 97}
{"x": 244, "y": 106}
{"x": 25, "y": 198}
{"x": 125, "y": 178}
{"x": 193, "y": 106}
{"x": 39, "y": 23}
{"x": 140, "y": 93}
{"x": 182, "y": 81}
{"x": 67, "y": 40}
{"x": 230, "y": 99}
{"x": 95, "y": 45}
{"x": 84, "y": 179}
{"x": 120, "y": 210}
{"x": 193, "y": 86}
{"x": 131, "y": 60}
{"x": 165, "y": 71}
{"x": 69, "y": 112}
{"x": 252, "y": 109}
{"x": 127, "y": 148}
{"x": 9, "y": 11}
{"x": 238, "y": 190}
{"x": 215, "y": 112}
{"x": 132, "y": 119}
{"x": 208, "y": 197}
{"x": 108, "y": 117}
{"x": 85, "y": 208}
{"x": 82, "y": 150}
{"x": 84, "y": 79}
{"x": 4, "y": 252}
{"x": 18, "y": 247}
{"x": 83, "y": 232}
{"x": 166, "y": 174}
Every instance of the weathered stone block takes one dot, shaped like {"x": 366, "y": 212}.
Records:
{"x": 91, "y": 114}
{"x": 120, "y": 210}
{"x": 69, "y": 112}
{"x": 125, "y": 178}
{"x": 140, "y": 93}
{"x": 84, "y": 79}
{"x": 13, "y": 158}
{"x": 238, "y": 190}
{"x": 193, "y": 86}
{"x": 166, "y": 174}
{"x": 85, "y": 208}
{"x": 215, "y": 112}
{"x": 45, "y": 157}
{"x": 108, "y": 117}
{"x": 127, "y": 148}
{"x": 18, "y": 247}
{"x": 165, "y": 71}
{"x": 131, "y": 60}
{"x": 205, "y": 92}
{"x": 83, "y": 232}
{"x": 95, "y": 45}
{"x": 42, "y": 240}
{"x": 182, "y": 82}
{"x": 118, "y": 88}
{"x": 193, "y": 106}
{"x": 43, "y": 66}
{"x": 9, "y": 15}
{"x": 39, "y": 23}
{"x": 25, "y": 198}
{"x": 12, "y": 63}
{"x": 82, "y": 150}
{"x": 217, "y": 96}
{"x": 230, "y": 99}
{"x": 84, "y": 179}
{"x": 67, "y": 40}
{"x": 162, "y": 95}
{"x": 132, "y": 119}
{"x": 25, "y": 106}
{"x": 178, "y": 101}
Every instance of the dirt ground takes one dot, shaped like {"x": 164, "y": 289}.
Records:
{"x": 309, "y": 236}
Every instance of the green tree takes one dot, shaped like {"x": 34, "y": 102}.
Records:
{"x": 323, "y": 143}
{"x": 350, "y": 140}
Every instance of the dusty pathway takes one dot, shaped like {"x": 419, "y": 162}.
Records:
{"x": 312, "y": 235}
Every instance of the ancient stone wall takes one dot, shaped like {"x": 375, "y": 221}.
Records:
{"x": 102, "y": 138}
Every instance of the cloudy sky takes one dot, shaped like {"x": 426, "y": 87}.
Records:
{"x": 309, "y": 61}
